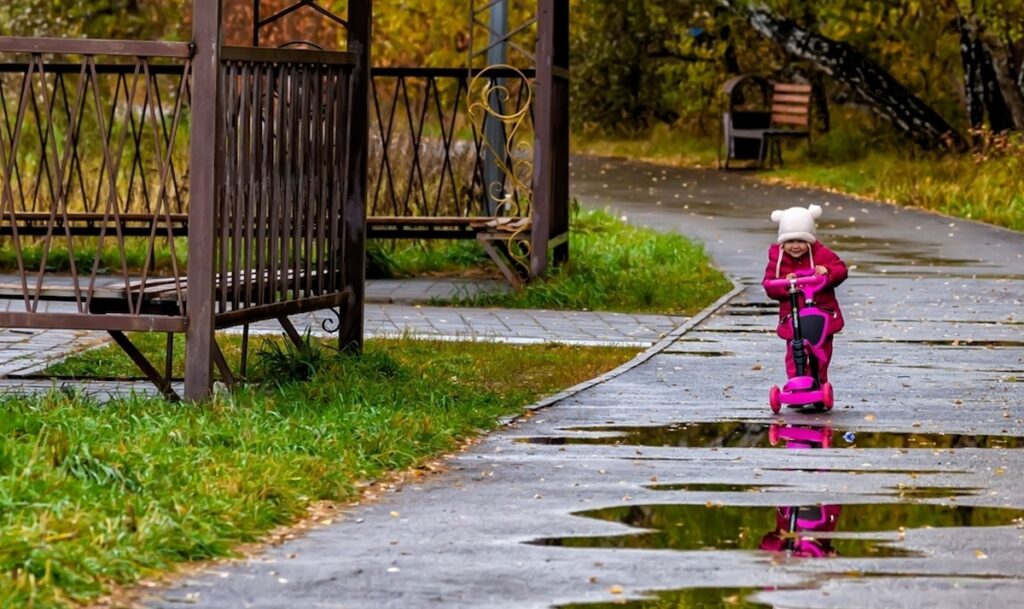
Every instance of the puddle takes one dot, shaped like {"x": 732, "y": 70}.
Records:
{"x": 902, "y": 491}
{"x": 808, "y": 531}
{"x": 950, "y": 343}
{"x": 700, "y": 353}
{"x": 714, "y": 487}
{"x": 829, "y": 470}
{"x": 695, "y": 598}
{"x": 739, "y": 598}
{"x": 752, "y": 312}
{"x": 736, "y": 434}
{"x": 932, "y": 492}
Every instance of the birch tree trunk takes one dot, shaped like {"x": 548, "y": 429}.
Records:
{"x": 982, "y": 84}
{"x": 1011, "y": 89}
{"x": 886, "y": 97}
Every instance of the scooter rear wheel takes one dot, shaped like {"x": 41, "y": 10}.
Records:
{"x": 827, "y": 397}
{"x": 775, "y": 398}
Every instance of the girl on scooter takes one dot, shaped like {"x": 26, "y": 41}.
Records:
{"x": 797, "y": 249}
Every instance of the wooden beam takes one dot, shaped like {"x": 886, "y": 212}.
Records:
{"x": 206, "y": 141}
{"x": 162, "y": 383}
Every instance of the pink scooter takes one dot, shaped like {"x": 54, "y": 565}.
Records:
{"x": 810, "y": 330}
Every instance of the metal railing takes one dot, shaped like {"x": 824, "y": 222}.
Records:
{"x": 426, "y": 151}
{"x": 93, "y": 163}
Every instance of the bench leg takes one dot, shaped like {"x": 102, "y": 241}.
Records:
{"x": 222, "y": 365}
{"x": 169, "y": 357}
{"x": 293, "y": 334}
{"x": 502, "y": 262}
{"x": 162, "y": 384}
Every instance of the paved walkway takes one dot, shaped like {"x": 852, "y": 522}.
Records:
{"x": 391, "y": 311}
{"x": 669, "y": 475}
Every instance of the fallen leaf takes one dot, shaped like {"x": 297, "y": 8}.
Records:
{"x": 980, "y": 555}
{"x": 616, "y": 589}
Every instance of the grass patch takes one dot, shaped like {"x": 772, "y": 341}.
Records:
{"x": 988, "y": 186}
{"x": 990, "y": 190}
{"x": 394, "y": 258}
{"x": 618, "y": 267}
{"x": 661, "y": 143}
{"x": 93, "y": 495}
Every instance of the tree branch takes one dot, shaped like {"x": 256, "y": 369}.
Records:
{"x": 886, "y": 97}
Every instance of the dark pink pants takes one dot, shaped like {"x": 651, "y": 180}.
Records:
{"x": 822, "y": 366}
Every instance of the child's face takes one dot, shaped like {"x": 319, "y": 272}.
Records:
{"x": 795, "y": 247}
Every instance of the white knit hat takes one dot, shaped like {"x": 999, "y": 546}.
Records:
{"x": 796, "y": 223}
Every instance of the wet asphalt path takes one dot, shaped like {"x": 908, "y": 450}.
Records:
{"x": 933, "y": 345}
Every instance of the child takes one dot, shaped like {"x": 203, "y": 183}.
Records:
{"x": 797, "y": 249}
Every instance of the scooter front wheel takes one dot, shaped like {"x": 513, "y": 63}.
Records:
{"x": 775, "y": 398}
{"x": 827, "y": 397}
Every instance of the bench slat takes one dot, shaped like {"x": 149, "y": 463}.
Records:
{"x": 789, "y": 109}
{"x": 789, "y": 119}
{"x": 802, "y": 100}
{"x": 791, "y": 87}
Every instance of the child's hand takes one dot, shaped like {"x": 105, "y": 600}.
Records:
{"x": 791, "y": 276}
{"x": 820, "y": 270}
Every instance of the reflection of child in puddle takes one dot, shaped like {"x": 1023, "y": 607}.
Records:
{"x": 795, "y": 525}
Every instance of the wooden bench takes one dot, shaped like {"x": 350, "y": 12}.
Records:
{"x": 757, "y": 134}
{"x": 791, "y": 118}
{"x": 495, "y": 233}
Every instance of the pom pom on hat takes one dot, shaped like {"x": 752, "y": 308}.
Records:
{"x": 796, "y": 223}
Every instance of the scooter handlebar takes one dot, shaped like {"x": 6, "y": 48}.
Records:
{"x": 808, "y": 281}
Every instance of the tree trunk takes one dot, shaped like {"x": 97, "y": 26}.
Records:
{"x": 973, "y": 88}
{"x": 885, "y": 96}
{"x": 1010, "y": 91}
{"x": 982, "y": 84}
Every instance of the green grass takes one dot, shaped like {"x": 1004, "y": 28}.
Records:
{"x": 93, "y": 496}
{"x": 662, "y": 143}
{"x": 111, "y": 260}
{"x": 990, "y": 190}
{"x": 415, "y": 258}
{"x": 618, "y": 267}
{"x": 986, "y": 186}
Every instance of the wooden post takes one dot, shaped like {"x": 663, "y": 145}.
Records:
{"x": 360, "y": 20}
{"x": 560, "y": 137}
{"x": 551, "y": 139}
{"x": 543, "y": 194}
{"x": 204, "y": 180}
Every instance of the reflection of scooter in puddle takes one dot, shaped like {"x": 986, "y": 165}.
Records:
{"x": 795, "y": 526}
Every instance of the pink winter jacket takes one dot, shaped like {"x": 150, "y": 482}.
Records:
{"x": 825, "y": 299}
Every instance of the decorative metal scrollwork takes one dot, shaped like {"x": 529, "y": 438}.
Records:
{"x": 332, "y": 324}
{"x": 489, "y": 97}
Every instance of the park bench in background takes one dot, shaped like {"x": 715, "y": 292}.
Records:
{"x": 759, "y": 115}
